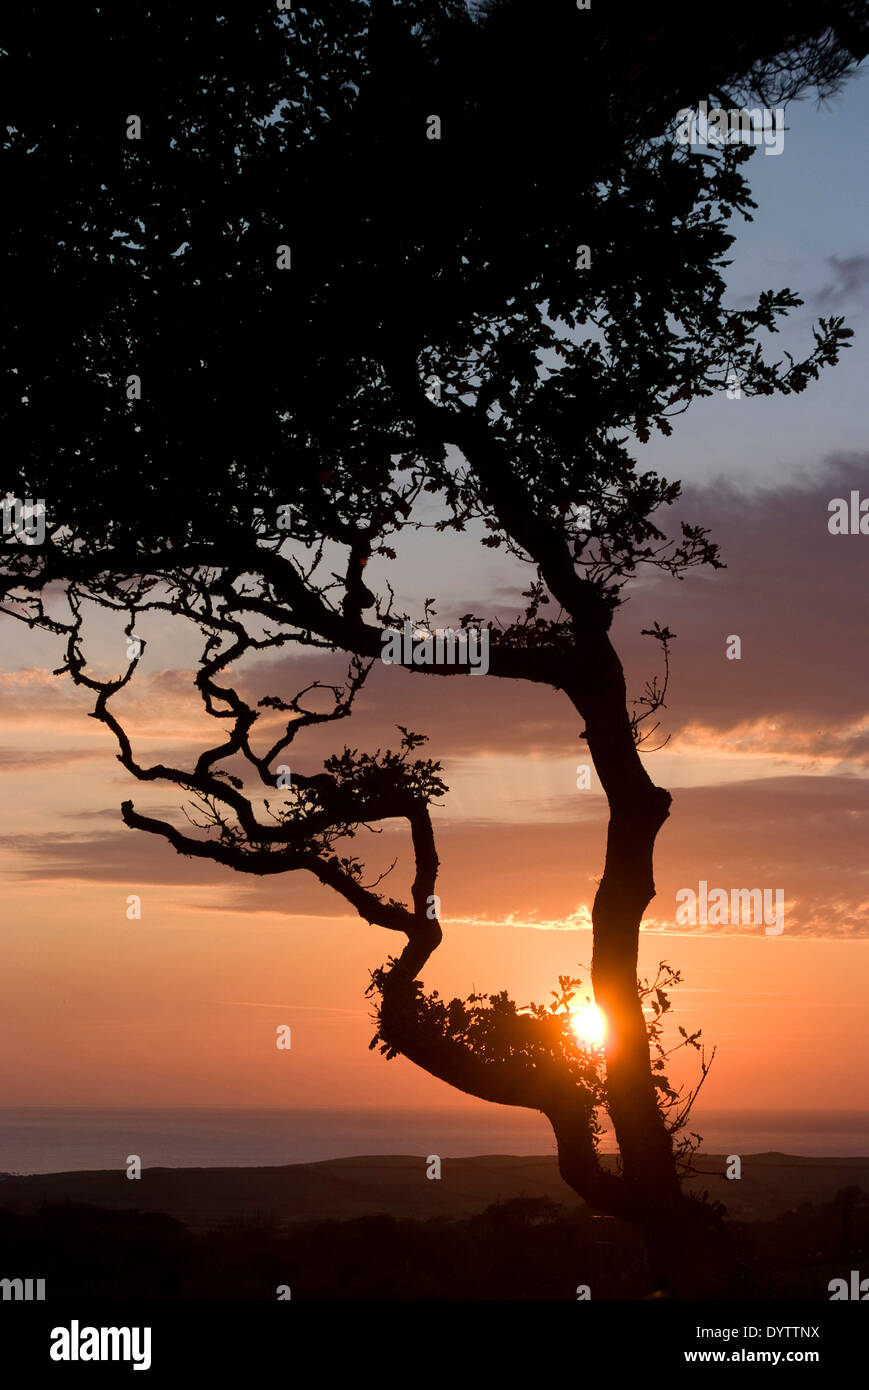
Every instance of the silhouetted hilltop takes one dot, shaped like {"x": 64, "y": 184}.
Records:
{"x": 377, "y": 1228}
{"x": 346, "y": 1188}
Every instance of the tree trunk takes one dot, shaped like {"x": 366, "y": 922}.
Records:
{"x": 693, "y": 1255}
{"x": 638, "y": 809}
{"x": 677, "y": 1230}
{"x": 625, "y": 890}
{"x": 690, "y": 1251}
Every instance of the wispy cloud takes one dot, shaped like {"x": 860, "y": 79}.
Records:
{"x": 850, "y": 279}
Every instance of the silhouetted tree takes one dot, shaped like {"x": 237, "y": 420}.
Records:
{"x": 239, "y": 254}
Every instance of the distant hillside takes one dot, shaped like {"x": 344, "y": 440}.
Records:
{"x": 341, "y": 1189}
{"x": 377, "y": 1228}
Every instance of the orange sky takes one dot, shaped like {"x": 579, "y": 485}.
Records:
{"x": 766, "y": 761}
{"x": 181, "y": 1008}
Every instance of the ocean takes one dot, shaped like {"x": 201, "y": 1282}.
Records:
{"x": 34, "y": 1140}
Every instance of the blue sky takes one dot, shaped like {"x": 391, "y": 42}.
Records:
{"x": 813, "y": 205}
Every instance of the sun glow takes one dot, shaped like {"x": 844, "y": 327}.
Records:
{"x": 589, "y": 1024}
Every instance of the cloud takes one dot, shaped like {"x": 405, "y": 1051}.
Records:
{"x": 796, "y": 597}
{"x": 794, "y": 594}
{"x": 29, "y": 760}
{"x": 851, "y": 275}
{"x": 160, "y": 704}
{"x": 803, "y": 835}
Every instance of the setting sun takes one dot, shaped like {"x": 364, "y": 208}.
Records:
{"x": 589, "y": 1024}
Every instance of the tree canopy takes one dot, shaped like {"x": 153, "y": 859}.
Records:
{"x": 408, "y": 257}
